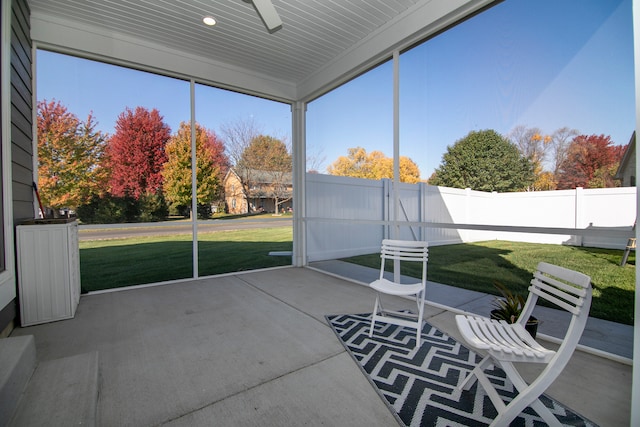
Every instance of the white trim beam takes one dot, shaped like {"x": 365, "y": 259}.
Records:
{"x": 635, "y": 384}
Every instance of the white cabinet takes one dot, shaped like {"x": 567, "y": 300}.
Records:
{"x": 48, "y": 270}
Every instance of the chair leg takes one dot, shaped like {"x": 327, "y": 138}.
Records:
{"x": 420, "y": 304}
{"x": 471, "y": 379}
{"x": 374, "y": 314}
{"x": 631, "y": 244}
{"x": 528, "y": 395}
{"x": 379, "y": 313}
{"x": 478, "y": 375}
{"x": 380, "y": 306}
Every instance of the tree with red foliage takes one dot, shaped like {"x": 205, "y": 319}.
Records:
{"x": 137, "y": 153}
{"x": 588, "y": 157}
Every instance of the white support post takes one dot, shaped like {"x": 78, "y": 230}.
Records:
{"x": 194, "y": 182}
{"x": 396, "y": 156}
{"x": 635, "y": 383}
{"x": 299, "y": 148}
{"x": 396, "y": 144}
{"x": 386, "y": 213}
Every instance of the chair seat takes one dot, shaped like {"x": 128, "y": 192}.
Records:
{"x": 509, "y": 342}
{"x": 391, "y": 288}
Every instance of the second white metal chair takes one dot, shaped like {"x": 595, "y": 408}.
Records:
{"x": 400, "y": 251}
{"x": 506, "y": 343}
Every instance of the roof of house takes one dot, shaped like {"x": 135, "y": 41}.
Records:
{"x": 627, "y": 156}
{"x": 263, "y": 177}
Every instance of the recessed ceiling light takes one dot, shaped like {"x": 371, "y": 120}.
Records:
{"x": 209, "y": 20}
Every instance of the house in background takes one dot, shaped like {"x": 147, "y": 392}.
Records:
{"x": 266, "y": 189}
{"x": 234, "y": 198}
{"x": 627, "y": 170}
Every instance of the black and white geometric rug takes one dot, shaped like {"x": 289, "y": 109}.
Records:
{"x": 419, "y": 385}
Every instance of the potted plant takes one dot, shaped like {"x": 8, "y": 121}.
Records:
{"x": 509, "y": 308}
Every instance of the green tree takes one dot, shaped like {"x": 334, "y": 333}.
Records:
{"x": 604, "y": 177}
{"x": 266, "y": 153}
{"x": 109, "y": 209}
{"x": 375, "y": 165}
{"x": 211, "y": 164}
{"x": 70, "y": 156}
{"x": 265, "y": 165}
{"x": 484, "y": 161}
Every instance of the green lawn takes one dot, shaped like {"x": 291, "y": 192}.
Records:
{"x": 106, "y": 264}
{"x": 475, "y": 266}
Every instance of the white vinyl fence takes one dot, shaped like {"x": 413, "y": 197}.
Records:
{"x": 350, "y": 216}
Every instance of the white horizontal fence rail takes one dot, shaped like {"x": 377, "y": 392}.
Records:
{"x": 350, "y": 216}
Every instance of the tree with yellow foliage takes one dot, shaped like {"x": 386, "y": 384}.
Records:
{"x": 375, "y": 165}
{"x": 70, "y": 157}
{"x": 211, "y": 165}
{"x": 545, "y": 181}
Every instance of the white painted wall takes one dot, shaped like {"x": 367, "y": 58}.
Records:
{"x": 350, "y": 216}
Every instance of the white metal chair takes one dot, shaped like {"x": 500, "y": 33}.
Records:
{"x": 400, "y": 251}
{"x": 508, "y": 343}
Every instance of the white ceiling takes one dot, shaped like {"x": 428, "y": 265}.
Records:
{"x": 321, "y": 43}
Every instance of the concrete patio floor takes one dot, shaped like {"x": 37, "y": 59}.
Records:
{"x": 255, "y": 349}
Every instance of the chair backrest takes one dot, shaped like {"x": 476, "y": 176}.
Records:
{"x": 571, "y": 291}
{"x": 404, "y": 250}
{"x": 566, "y": 289}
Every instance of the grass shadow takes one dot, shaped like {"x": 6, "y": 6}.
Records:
{"x": 464, "y": 265}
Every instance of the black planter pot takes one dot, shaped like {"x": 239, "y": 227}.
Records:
{"x": 531, "y": 326}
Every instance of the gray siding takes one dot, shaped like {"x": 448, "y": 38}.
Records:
{"x": 21, "y": 112}
{"x": 21, "y": 128}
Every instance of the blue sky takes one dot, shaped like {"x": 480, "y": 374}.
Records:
{"x": 537, "y": 63}
{"x": 546, "y": 64}
{"x": 106, "y": 90}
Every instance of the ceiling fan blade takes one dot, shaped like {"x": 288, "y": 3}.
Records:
{"x": 268, "y": 14}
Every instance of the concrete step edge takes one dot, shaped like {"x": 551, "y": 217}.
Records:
{"x": 61, "y": 392}
{"x": 17, "y": 364}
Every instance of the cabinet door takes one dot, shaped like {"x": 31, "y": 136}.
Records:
{"x": 44, "y": 273}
